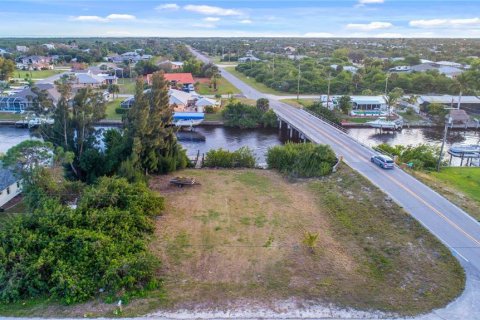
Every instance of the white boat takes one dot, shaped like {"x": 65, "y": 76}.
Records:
{"x": 188, "y": 119}
{"x": 383, "y": 123}
{"x": 467, "y": 151}
{"x": 35, "y": 122}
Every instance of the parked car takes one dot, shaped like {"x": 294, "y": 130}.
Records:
{"x": 382, "y": 161}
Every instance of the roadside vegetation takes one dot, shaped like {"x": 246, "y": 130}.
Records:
{"x": 252, "y": 82}
{"x": 461, "y": 185}
{"x": 302, "y": 160}
{"x": 220, "y": 158}
{"x": 222, "y": 86}
{"x": 421, "y": 157}
{"x": 244, "y": 116}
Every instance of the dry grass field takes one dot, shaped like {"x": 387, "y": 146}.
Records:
{"x": 240, "y": 236}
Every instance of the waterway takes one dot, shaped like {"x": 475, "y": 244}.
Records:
{"x": 259, "y": 140}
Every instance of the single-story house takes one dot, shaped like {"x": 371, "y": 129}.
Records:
{"x": 23, "y": 99}
{"x": 471, "y": 104}
{"x": 179, "y": 99}
{"x": 368, "y": 103}
{"x": 21, "y": 48}
{"x": 248, "y": 58}
{"x": 10, "y": 185}
{"x": 174, "y": 78}
{"x": 451, "y": 72}
{"x": 35, "y": 63}
{"x": 400, "y": 69}
{"x": 172, "y": 65}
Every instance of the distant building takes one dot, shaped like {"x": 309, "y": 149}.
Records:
{"x": 21, "y": 48}
{"x": 3, "y": 52}
{"x": 35, "y": 63}
{"x": 22, "y": 100}
{"x": 49, "y": 46}
{"x": 400, "y": 69}
{"x": 175, "y": 78}
{"x": 10, "y": 185}
{"x": 451, "y": 72}
{"x": 248, "y": 58}
{"x": 171, "y": 65}
{"x": 449, "y": 64}
{"x": 471, "y": 104}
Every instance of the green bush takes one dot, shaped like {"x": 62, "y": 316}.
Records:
{"x": 242, "y": 115}
{"x": 220, "y": 158}
{"x": 422, "y": 156}
{"x": 73, "y": 254}
{"x": 121, "y": 110}
{"x": 324, "y": 112}
{"x": 302, "y": 159}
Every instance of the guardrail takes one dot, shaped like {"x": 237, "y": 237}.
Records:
{"x": 333, "y": 124}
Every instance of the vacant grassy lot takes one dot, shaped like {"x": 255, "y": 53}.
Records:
{"x": 127, "y": 86}
{"x": 110, "y": 111}
{"x": 459, "y": 185}
{"x": 300, "y": 103}
{"x": 240, "y": 236}
{"x": 37, "y": 74}
{"x": 257, "y": 85}
{"x": 223, "y": 87}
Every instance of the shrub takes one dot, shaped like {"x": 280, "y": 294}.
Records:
{"x": 220, "y": 158}
{"x": 324, "y": 112}
{"x": 302, "y": 160}
{"x": 242, "y": 115}
{"x": 72, "y": 254}
{"x": 422, "y": 156}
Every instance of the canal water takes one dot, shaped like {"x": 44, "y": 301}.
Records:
{"x": 259, "y": 140}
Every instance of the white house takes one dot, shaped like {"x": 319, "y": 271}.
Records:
{"x": 21, "y": 48}
{"x": 10, "y": 186}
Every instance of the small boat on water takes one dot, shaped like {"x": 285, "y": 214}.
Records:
{"x": 383, "y": 123}
{"x": 467, "y": 151}
{"x": 188, "y": 119}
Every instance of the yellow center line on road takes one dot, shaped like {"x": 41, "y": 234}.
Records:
{"x": 401, "y": 185}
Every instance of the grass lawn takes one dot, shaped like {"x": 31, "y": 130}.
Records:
{"x": 127, "y": 86}
{"x": 357, "y": 120}
{"x": 10, "y": 116}
{"x": 111, "y": 106}
{"x": 300, "y": 103}
{"x": 217, "y": 116}
{"x": 257, "y": 85}
{"x": 37, "y": 74}
{"x": 216, "y": 60}
{"x": 460, "y": 185}
{"x": 414, "y": 117}
{"x": 223, "y": 87}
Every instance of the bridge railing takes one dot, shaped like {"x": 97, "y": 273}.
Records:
{"x": 333, "y": 124}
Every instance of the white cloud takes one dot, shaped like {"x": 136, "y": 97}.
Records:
{"x": 109, "y": 18}
{"x": 318, "y": 35}
{"x": 89, "y": 18}
{"x": 211, "y": 19}
{"x": 116, "y": 16}
{"x": 369, "y": 26}
{"x": 167, "y": 6}
{"x": 370, "y": 1}
{"x": 210, "y": 10}
{"x": 432, "y": 23}
{"x": 246, "y": 21}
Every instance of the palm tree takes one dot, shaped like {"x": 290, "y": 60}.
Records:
{"x": 310, "y": 240}
{"x": 391, "y": 99}
{"x": 113, "y": 89}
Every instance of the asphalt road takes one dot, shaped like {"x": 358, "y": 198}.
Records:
{"x": 450, "y": 224}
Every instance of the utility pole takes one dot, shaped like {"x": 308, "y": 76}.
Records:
{"x": 328, "y": 91}
{"x": 447, "y": 123}
{"x": 386, "y": 83}
{"x": 274, "y": 66}
{"x": 298, "y": 82}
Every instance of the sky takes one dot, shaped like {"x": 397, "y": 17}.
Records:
{"x": 241, "y": 18}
